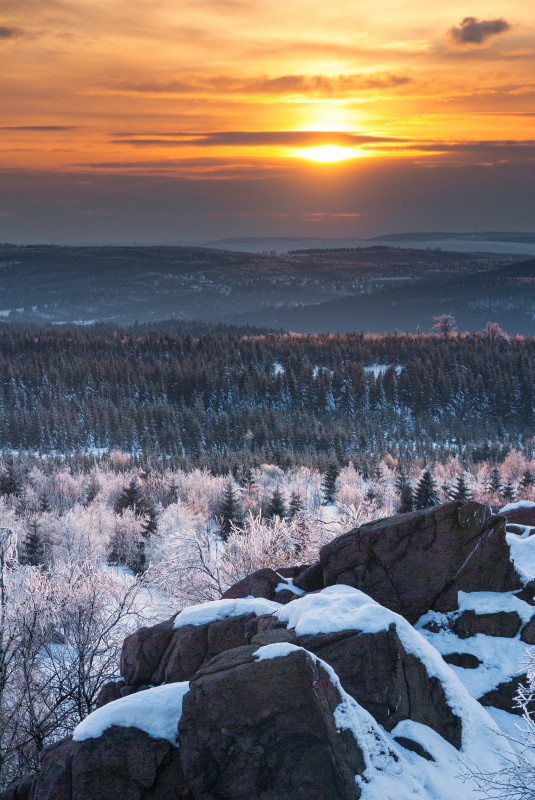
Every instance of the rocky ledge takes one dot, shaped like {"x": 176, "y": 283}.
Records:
{"x": 374, "y": 673}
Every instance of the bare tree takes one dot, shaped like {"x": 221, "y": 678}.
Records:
{"x": 445, "y": 325}
{"x": 63, "y": 635}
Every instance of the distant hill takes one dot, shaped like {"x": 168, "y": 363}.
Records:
{"x": 376, "y": 288}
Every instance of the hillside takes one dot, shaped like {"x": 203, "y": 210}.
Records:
{"x": 377, "y": 288}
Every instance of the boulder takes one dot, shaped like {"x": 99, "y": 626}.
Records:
{"x": 416, "y": 562}
{"x": 503, "y": 696}
{"x": 114, "y": 690}
{"x": 311, "y": 579}
{"x": 151, "y": 656}
{"x": 143, "y": 650}
{"x": 389, "y": 682}
{"x": 264, "y": 729}
{"x": 54, "y": 779}
{"x": 522, "y": 513}
{"x": 463, "y": 660}
{"x": 19, "y": 791}
{"x": 528, "y": 633}
{"x": 122, "y": 763}
{"x": 127, "y": 763}
{"x": 261, "y": 583}
{"x": 499, "y": 623}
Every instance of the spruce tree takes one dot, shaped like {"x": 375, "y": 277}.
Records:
{"x": 527, "y": 480}
{"x": 406, "y": 497}
{"x": 508, "y": 492}
{"x": 150, "y": 522}
{"x": 426, "y": 492}
{"x": 10, "y": 480}
{"x": 494, "y": 483}
{"x": 329, "y": 486}
{"x": 275, "y": 507}
{"x": 131, "y": 497}
{"x": 44, "y": 505}
{"x": 34, "y": 551}
{"x": 247, "y": 479}
{"x": 230, "y": 513}
{"x": 295, "y": 506}
{"x": 460, "y": 492}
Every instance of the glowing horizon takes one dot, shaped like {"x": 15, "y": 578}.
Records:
{"x": 240, "y": 91}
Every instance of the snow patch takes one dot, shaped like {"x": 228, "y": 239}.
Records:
{"x": 220, "y": 609}
{"x": 155, "y": 711}
{"x": 518, "y": 504}
{"x": 522, "y": 547}
{"x": 494, "y": 602}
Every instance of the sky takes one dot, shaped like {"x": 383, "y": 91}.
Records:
{"x": 159, "y": 121}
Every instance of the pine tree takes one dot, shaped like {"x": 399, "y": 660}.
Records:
{"x": 44, "y": 505}
{"x": 230, "y": 513}
{"x": 494, "y": 483}
{"x": 34, "y": 550}
{"x": 247, "y": 479}
{"x": 91, "y": 490}
{"x": 426, "y": 492}
{"x": 131, "y": 497}
{"x": 460, "y": 492}
{"x": 150, "y": 523}
{"x": 275, "y": 507}
{"x": 406, "y": 497}
{"x": 528, "y": 479}
{"x": 508, "y": 492}
{"x": 295, "y": 506}
{"x": 10, "y": 480}
{"x": 329, "y": 486}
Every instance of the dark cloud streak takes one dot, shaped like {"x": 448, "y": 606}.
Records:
{"x": 258, "y": 139}
{"x": 476, "y": 31}
{"x": 11, "y": 33}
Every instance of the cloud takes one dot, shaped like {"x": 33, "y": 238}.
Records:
{"x": 255, "y": 139}
{"x": 11, "y": 33}
{"x": 38, "y": 127}
{"x": 477, "y": 31}
{"x": 343, "y": 85}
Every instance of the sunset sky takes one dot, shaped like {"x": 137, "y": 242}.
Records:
{"x": 169, "y": 121}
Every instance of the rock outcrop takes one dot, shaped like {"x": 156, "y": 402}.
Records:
{"x": 265, "y": 728}
{"x": 419, "y": 561}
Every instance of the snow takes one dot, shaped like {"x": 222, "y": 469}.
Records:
{"x": 514, "y": 506}
{"x": 522, "y": 547}
{"x": 288, "y": 585}
{"x": 380, "y": 369}
{"x": 493, "y": 602}
{"x": 502, "y": 658}
{"x": 220, "y": 609}
{"x": 155, "y": 711}
{"x": 341, "y": 608}
{"x": 394, "y": 773}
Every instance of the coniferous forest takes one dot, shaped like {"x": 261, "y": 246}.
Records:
{"x": 216, "y": 400}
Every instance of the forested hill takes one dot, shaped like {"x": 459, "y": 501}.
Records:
{"x": 218, "y": 400}
{"x": 375, "y": 288}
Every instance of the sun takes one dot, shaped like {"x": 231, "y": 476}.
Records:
{"x": 328, "y": 153}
